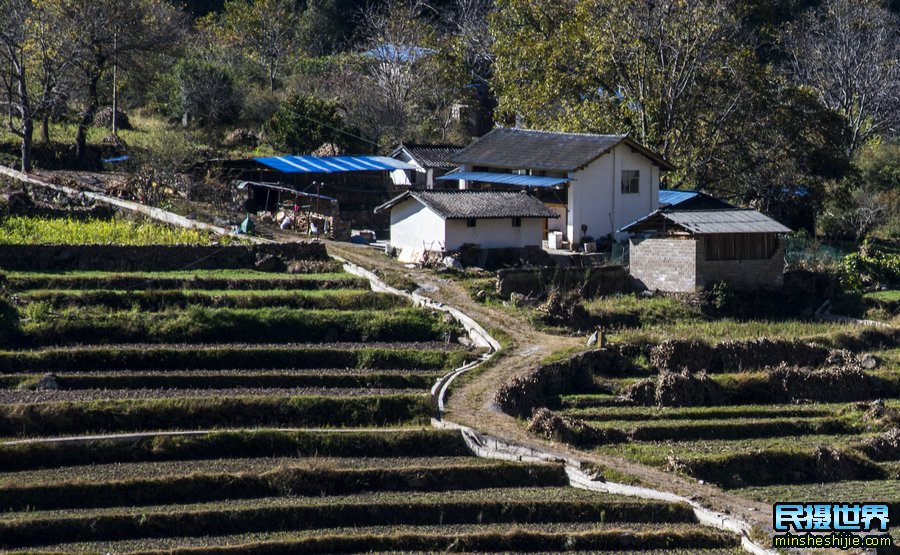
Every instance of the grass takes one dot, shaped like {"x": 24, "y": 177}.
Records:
{"x": 235, "y": 445}
{"x": 486, "y": 506}
{"x": 205, "y": 280}
{"x": 720, "y": 330}
{"x": 161, "y": 300}
{"x": 667, "y": 539}
{"x": 60, "y": 418}
{"x": 203, "y": 325}
{"x": 890, "y": 295}
{"x": 25, "y": 230}
{"x": 197, "y": 379}
{"x": 172, "y": 357}
{"x": 633, "y": 311}
{"x": 652, "y": 414}
{"x": 858, "y": 491}
{"x": 286, "y": 481}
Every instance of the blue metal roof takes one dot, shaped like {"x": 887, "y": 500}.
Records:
{"x": 506, "y": 179}
{"x": 332, "y": 164}
{"x": 672, "y": 197}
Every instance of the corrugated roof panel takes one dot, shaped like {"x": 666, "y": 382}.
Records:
{"x": 506, "y": 179}
{"x": 672, "y": 197}
{"x": 709, "y": 221}
{"x": 332, "y": 164}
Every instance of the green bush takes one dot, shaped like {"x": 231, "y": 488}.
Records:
{"x": 864, "y": 269}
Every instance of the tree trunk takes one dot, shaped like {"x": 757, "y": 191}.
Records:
{"x": 87, "y": 117}
{"x": 45, "y": 129}
{"x": 27, "y": 140}
{"x": 272, "y": 72}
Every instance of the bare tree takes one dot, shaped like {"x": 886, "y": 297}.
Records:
{"x": 269, "y": 28}
{"x": 57, "y": 47}
{"x": 14, "y": 33}
{"x": 849, "y": 52}
{"x": 115, "y": 31}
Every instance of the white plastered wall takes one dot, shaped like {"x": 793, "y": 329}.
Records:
{"x": 595, "y": 195}
{"x": 415, "y": 226}
{"x": 495, "y": 233}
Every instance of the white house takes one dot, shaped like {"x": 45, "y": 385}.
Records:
{"x": 428, "y": 221}
{"x": 596, "y": 183}
{"x": 428, "y": 161}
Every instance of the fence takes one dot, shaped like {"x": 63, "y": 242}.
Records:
{"x": 802, "y": 252}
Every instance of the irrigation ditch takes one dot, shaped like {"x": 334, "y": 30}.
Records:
{"x": 492, "y": 447}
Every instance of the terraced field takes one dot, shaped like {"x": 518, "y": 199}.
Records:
{"x": 226, "y": 411}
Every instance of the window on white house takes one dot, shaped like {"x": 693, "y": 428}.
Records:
{"x": 470, "y": 222}
{"x": 631, "y": 182}
{"x": 517, "y": 222}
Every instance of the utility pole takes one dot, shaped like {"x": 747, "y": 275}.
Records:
{"x": 115, "y": 104}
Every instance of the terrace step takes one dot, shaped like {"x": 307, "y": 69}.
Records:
{"x": 674, "y": 539}
{"x": 511, "y": 505}
{"x": 29, "y": 397}
{"x": 233, "y": 280}
{"x": 136, "y": 356}
{"x": 225, "y": 379}
{"x": 272, "y": 325}
{"x": 161, "y": 300}
{"x": 735, "y": 428}
{"x": 84, "y": 417}
{"x": 703, "y": 413}
{"x": 292, "y": 480}
{"x": 155, "y": 447}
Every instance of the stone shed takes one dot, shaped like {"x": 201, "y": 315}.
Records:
{"x": 681, "y": 250}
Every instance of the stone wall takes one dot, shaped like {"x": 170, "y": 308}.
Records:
{"x": 767, "y": 273}
{"x": 664, "y": 264}
{"x": 122, "y": 258}
{"x": 589, "y": 282}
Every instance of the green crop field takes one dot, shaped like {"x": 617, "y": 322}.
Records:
{"x": 24, "y": 230}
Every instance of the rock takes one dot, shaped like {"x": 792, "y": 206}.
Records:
{"x": 452, "y": 262}
{"x": 868, "y": 361}
{"x": 103, "y": 118}
{"x": 242, "y": 137}
{"x": 268, "y": 263}
{"x": 47, "y": 383}
{"x": 516, "y": 299}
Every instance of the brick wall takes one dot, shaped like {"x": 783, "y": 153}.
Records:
{"x": 664, "y": 264}
{"x": 750, "y": 274}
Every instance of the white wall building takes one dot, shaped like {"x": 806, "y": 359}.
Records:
{"x": 429, "y": 221}
{"x": 429, "y": 162}
{"x": 598, "y": 183}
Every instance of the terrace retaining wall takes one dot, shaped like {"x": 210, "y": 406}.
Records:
{"x": 164, "y": 258}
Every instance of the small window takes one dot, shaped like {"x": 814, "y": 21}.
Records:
{"x": 470, "y": 222}
{"x": 517, "y": 222}
{"x": 631, "y": 181}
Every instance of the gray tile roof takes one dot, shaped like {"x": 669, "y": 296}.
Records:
{"x": 543, "y": 150}
{"x": 431, "y": 156}
{"x": 454, "y": 205}
{"x": 704, "y": 222}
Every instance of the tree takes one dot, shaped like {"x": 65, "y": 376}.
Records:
{"x": 304, "y": 123}
{"x": 115, "y": 32}
{"x": 14, "y": 33}
{"x": 206, "y": 93}
{"x": 267, "y": 28}
{"x": 848, "y": 51}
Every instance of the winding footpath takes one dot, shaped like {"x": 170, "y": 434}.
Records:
{"x": 472, "y": 403}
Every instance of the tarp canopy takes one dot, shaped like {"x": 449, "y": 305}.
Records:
{"x": 332, "y": 164}
{"x": 506, "y": 179}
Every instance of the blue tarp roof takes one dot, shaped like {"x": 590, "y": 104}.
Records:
{"x": 672, "y": 197}
{"x": 116, "y": 159}
{"x": 506, "y": 179}
{"x": 332, "y": 164}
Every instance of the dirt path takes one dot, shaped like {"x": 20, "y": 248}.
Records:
{"x": 472, "y": 405}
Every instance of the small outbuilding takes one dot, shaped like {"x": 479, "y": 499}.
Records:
{"x": 681, "y": 250}
{"x": 429, "y": 162}
{"x": 440, "y": 221}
